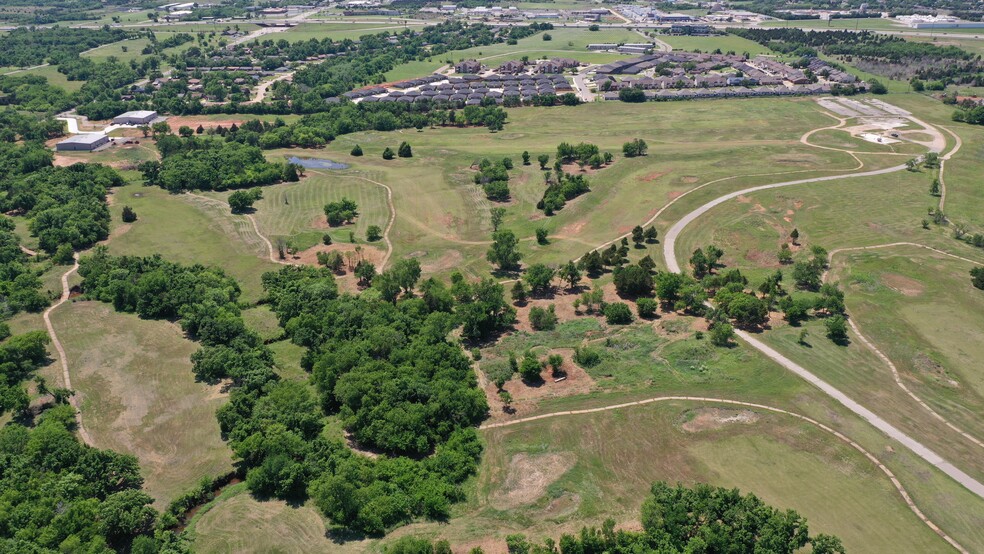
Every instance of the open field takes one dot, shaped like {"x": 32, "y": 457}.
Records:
{"x": 582, "y": 469}
{"x": 187, "y": 230}
{"x": 340, "y": 31}
{"x": 139, "y": 396}
{"x": 443, "y": 218}
{"x": 726, "y": 43}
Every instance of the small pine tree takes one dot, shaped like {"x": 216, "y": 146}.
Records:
{"x": 129, "y": 216}
{"x": 404, "y": 150}
{"x": 518, "y": 292}
{"x": 356, "y": 150}
{"x": 388, "y": 153}
{"x": 934, "y": 189}
{"x": 795, "y": 235}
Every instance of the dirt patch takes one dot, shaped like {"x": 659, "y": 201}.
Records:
{"x": 903, "y": 284}
{"x": 925, "y": 364}
{"x": 744, "y": 199}
{"x": 351, "y": 253}
{"x": 652, "y": 176}
{"x": 449, "y": 260}
{"x": 573, "y": 228}
{"x": 571, "y": 380}
{"x": 710, "y": 419}
{"x": 529, "y": 476}
{"x": 575, "y": 169}
{"x": 689, "y": 179}
{"x": 674, "y": 194}
{"x": 563, "y": 505}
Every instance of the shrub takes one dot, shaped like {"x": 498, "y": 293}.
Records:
{"x": 722, "y": 333}
{"x": 129, "y": 216}
{"x": 388, "y": 153}
{"x": 356, "y": 150}
{"x": 530, "y": 369}
{"x": 374, "y": 233}
{"x": 404, "y": 150}
{"x": 646, "y": 307}
{"x": 541, "y": 235}
{"x": 585, "y": 356}
{"x": 543, "y": 319}
{"x": 618, "y": 313}
{"x": 326, "y": 239}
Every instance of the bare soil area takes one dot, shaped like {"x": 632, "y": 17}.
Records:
{"x": 529, "y": 476}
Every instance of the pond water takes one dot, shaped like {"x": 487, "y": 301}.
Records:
{"x": 317, "y": 163}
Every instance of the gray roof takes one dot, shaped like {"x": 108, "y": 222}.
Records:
{"x": 84, "y": 138}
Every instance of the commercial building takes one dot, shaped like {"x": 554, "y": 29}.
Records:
{"x": 85, "y": 142}
{"x": 140, "y": 117}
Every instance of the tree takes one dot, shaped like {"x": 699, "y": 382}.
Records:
{"x": 518, "y": 292}
{"x": 556, "y": 363}
{"x": 326, "y": 239}
{"x": 636, "y": 147}
{"x": 365, "y": 272}
{"x": 356, "y": 150}
{"x": 543, "y": 160}
{"x": 199, "y": 130}
{"x": 341, "y": 211}
{"x": 794, "y": 235}
{"x": 160, "y": 128}
{"x": 541, "y": 236}
{"x": 503, "y": 251}
{"x": 406, "y": 273}
{"x": 618, "y": 313}
{"x": 526, "y": 158}
{"x": 242, "y": 200}
{"x": 934, "y": 189}
{"x": 977, "y": 277}
{"x": 785, "y": 255}
{"x": 700, "y": 264}
{"x": 570, "y": 274}
{"x": 185, "y": 131}
{"x": 836, "y": 329}
{"x": 633, "y": 280}
{"x": 876, "y": 87}
{"x": 404, "y": 151}
{"x": 638, "y": 236}
{"x": 912, "y": 165}
{"x": 721, "y": 333}
{"x": 538, "y": 277}
{"x": 547, "y": 37}
{"x": 646, "y": 307}
{"x": 632, "y": 94}
{"x": 374, "y": 233}
{"x": 651, "y": 234}
{"x": 496, "y": 215}
{"x": 387, "y": 153}
{"x": 128, "y": 215}
{"x": 543, "y": 319}
{"x": 530, "y": 368}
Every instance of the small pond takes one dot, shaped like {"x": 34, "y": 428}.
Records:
{"x": 316, "y": 163}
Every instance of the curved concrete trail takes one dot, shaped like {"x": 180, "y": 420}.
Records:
{"x": 672, "y": 264}
{"x": 895, "y": 372}
{"x": 66, "y": 378}
{"x": 871, "y": 457}
{"x": 943, "y": 160}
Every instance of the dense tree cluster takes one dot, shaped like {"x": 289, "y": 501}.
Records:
{"x": 889, "y": 55}
{"x": 61, "y": 496}
{"x": 561, "y": 187}
{"x": 66, "y": 205}
{"x": 195, "y": 163}
{"x": 25, "y": 46}
{"x": 494, "y": 179}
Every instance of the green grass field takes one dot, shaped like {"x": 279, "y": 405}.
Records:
{"x": 726, "y": 43}
{"x": 583, "y": 469}
{"x": 140, "y": 397}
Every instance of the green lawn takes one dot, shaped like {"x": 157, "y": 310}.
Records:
{"x": 725, "y": 43}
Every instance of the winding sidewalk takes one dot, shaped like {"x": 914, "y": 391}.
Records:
{"x": 66, "y": 378}
{"x": 871, "y": 457}
{"x": 895, "y": 372}
{"x": 669, "y": 255}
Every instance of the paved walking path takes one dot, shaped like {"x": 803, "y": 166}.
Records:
{"x": 669, "y": 254}
{"x": 895, "y": 482}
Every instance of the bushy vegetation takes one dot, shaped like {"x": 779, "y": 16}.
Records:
{"x": 61, "y": 496}
{"x": 494, "y": 179}
{"x": 202, "y": 164}
{"x": 25, "y": 46}
{"x": 385, "y": 367}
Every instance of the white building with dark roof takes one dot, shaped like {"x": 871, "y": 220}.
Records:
{"x": 139, "y": 117}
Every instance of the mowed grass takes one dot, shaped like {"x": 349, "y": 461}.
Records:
{"x": 725, "y": 43}
{"x": 340, "y": 31}
{"x": 443, "y": 217}
{"x": 851, "y": 213}
{"x": 922, "y": 312}
{"x": 295, "y": 211}
{"x": 140, "y": 397}
{"x": 581, "y": 470}
{"x": 187, "y": 230}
